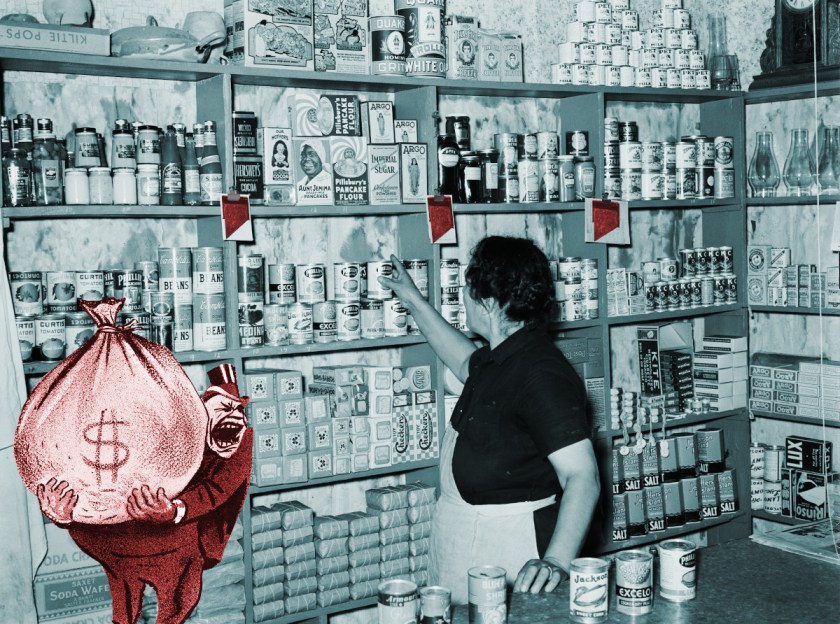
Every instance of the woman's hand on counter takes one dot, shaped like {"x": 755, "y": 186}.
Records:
{"x": 539, "y": 575}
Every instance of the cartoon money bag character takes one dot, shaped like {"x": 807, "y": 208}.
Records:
{"x": 147, "y": 477}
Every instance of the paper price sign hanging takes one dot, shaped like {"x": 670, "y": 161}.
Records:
{"x": 236, "y": 217}
{"x": 441, "y": 220}
{"x": 607, "y": 222}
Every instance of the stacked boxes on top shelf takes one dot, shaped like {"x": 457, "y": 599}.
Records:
{"x": 789, "y": 385}
{"x": 775, "y": 281}
{"x": 720, "y": 372}
{"x": 586, "y": 355}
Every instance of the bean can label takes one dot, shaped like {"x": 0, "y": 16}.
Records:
{"x": 208, "y": 270}
{"x": 209, "y": 326}
{"x": 678, "y": 570}
{"x": 588, "y": 590}
{"x": 634, "y": 582}
{"x": 27, "y": 293}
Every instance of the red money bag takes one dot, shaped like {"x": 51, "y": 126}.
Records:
{"x": 118, "y": 413}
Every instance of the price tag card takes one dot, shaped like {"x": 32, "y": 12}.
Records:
{"x": 441, "y": 220}
{"x": 607, "y": 222}
{"x": 236, "y": 218}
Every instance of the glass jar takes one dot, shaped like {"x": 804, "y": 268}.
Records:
{"x": 101, "y": 189}
{"x": 490, "y": 175}
{"x": 125, "y": 187}
{"x": 799, "y": 166}
{"x": 148, "y": 185}
{"x": 828, "y": 172}
{"x": 471, "y": 191}
{"x": 76, "y": 189}
{"x": 123, "y": 149}
{"x": 87, "y": 148}
{"x": 585, "y": 177}
{"x": 763, "y": 174}
{"x": 148, "y": 146}
{"x": 16, "y": 178}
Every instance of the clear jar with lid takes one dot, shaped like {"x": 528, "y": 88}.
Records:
{"x": 76, "y": 189}
{"x": 490, "y": 175}
{"x": 87, "y": 148}
{"x": 101, "y": 189}
{"x": 470, "y": 165}
{"x": 148, "y": 185}
{"x": 125, "y": 187}
{"x": 123, "y": 149}
{"x": 584, "y": 177}
{"x": 148, "y": 146}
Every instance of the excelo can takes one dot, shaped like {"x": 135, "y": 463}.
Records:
{"x": 209, "y": 323}
{"x": 208, "y": 270}
{"x": 26, "y": 336}
{"x": 677, "y": 570}
{"x": 634, "y": 582}
{"x": 311, "y": 286}
{"x": 324, "y": 321}
{"x": 375, "y": 270}
{"x": 300, "y": 323}
{"x": 27, "y": 292}
{"x": 346, "y": 281}
{"x": 486, "y": 590}
{"x": 50, "y": 336}
{"x": 276, "y": 325}
{"x": 397, "y": 602}
{"x": 349, "y": 321}
{"x": 282, "y": 287}
{"x": 387, "y": 45}
{"x": 589, "y": 590}
{"x": 434, "y": 605}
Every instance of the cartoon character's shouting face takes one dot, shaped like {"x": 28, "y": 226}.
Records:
{"x": 226, "y": 424}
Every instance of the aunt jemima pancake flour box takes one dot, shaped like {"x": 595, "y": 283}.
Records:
{"x": 341, "y": 41}
{"x": 350, "y": 170}
{"x": 313, "y": 174}
{"x": 270, "y": 32}
{"x": 413, "y": 163}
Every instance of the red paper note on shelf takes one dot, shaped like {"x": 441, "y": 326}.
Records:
{"x": 441, "y": 219}
{"x": 607, "y": 222}
{"x": 236, "y": 218}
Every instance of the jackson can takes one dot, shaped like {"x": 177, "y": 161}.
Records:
{"x": 634, "y": 582}
{"x": 434, "y": 605}
{"x": 282, "y": 287}
{"x": 311, "y": 285}
{"x": 27, "y": 292}
{"x": 677, "y": 570}
{"x": 486, "y": 590}
{"x": 397, "y": 602}
{"x": 209, "y": 323}
{"x": 26, "y": 336}
{"x": 346, "y": 281}
{"x": 387, "y": 45}
{"x": 324, "y": 328}
{"x": 589, "y": 590}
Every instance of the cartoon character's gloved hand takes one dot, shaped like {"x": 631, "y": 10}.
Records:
{"x": 57, "y": 500}
{"x": 144, "y": 505}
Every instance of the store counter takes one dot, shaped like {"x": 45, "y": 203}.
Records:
{"x": 737, "y": 582}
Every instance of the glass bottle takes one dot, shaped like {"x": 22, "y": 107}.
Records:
{"x": 763, "y": 174}
{"x": 718, "y": 63}
{"x": 192, "y": 183}
{"x": 799, "y": 166}
{"x": 170, "y": 178}
{"x": 448, "y": 156}
{"x": 210, "y": 173}
{"x": 46, "y": 171}
{"x": 828, "y": 171}
{"x": 471, "y": 192}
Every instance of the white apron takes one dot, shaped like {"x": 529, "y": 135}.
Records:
{"x": 464, "y": 535}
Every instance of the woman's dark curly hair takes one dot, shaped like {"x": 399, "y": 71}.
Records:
{"x": 514, "y": 272}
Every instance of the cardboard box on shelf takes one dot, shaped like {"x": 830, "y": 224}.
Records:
{"x": 55, "y": 38}
{"x": 278, "y": 165}
{"x": 340, "y": 36}
{"x": 413, "y": 169}
{"x": 405, "y": 131}
{"x": 378, "y": 122}
{"x": 350, "y": 170}
{"x": 265, "y": 36}
{"x": 313, "y": 172}
{"x": 384, "y": 174}
{"x": 71, "y": 593}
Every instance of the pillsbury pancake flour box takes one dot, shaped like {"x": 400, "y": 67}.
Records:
{"x": 462, "y": 47}
{"x": 350, "y": 170}
{"x": 341, "y": 40}
{"x": 324, "y": 115}
{"x": 384, "y": 174}
{"x": 413, "y": 165}
{"x": 270, "y": 32}
{"x": 313, "y": 173}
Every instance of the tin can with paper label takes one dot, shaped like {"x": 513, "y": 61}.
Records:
{"x": 678, "y": 570}
{"x": 589, "y": 590}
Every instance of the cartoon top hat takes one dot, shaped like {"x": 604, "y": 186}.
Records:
{"x": 223, "y": 381}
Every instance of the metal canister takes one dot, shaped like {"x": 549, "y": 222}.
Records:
{"x": 346, "y": 281}
{"x": 61, "y": 291}
{"x": 397, "y": 602}
{"x": 374, "y": 270}
{"x": 160, "y": 331}
{"x": 486, "y": 593}
{"x": 300, "y": 323}
{"x": 724, "y": 180}
{"x": 548, "y": 145}
{"x": 372, "y": 317}
{"x": 395, "y": 318}
{"x": 128, "y": 285}
{"x": 651, "y": 297}
{"x": 774, "y": 457}
{"x": 244, "y": 132}
{"x": 773, "y": 497}
{"x": 27, "y": 292}
{"x": 612, "y": 155}
{"x": 569, "y": 268}
{"x": 311, "y": 283}
{"x": 349, "y": 320}
{"x": 425, "y": 47}
{"x": 208, "y": 270}
{"x": 724, "y": 146}
{"x": 90, "y": 285}
{"x": 25, "y": 326}
{"x": 631, "y": 184}
{"x": 688, "y": 263}
{"x": 756, "y": 461}
{"x": 50, "y": 336}
{"x": 684, "y": 286}
{"x": 696, "y": 291}
{"x": 686, "y": 183}
{"x": 757, "y": 494}
{"x": 686, "y": 156}
{"x": 704, "y": 261}
{"x": 150, "y": 271}
{"x": 630, "y": 155}
{"x": 324, "y": 323}
{"x": 450, "y": 270}
{"x": 677, "y": 570}
{"x": 663, "y": 295}
{"x": 182, "y": 328}
{"x": 634, "y": 582}
{"x": 721, "y": 288}
{"x": 567, "y": 178}
{"x": 705, "y": 182}
{"x": 549, "y": 169}
{"x": 418, "y": 271}
{"x": 589, "y": 597}
{"x": 434, "y": 605}
{"x": 668, "y": 269}
{"x": 175, "y": 265}
{"x": 276, "y": 324}
{"x": 209, "y": 322}
{"x": 529, "y": 181}
{"x": 387, "y": 40}
{"x": 282, "y": 287}
{"x": 510, "y": 147}
{"x": 78, "y": 327}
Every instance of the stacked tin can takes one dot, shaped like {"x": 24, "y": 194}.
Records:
{"x": 702, "y": 276}
{"x": 575, "y": 288}
{"x": 605, "y": 46}
{"x": 452, "y": 283}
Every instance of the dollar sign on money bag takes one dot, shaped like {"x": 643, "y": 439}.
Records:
{"x": 119, "y": 413}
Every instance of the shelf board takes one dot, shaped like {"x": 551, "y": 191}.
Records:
{"x": 823, "y": 88}
{"x": 811, "y": 200}
{"x": 656, "y": 317}
{"x": 797, "y": 419}
{"x": 795, "y": 310}
{"x": 517, "y": 208}
{"x": 657, "y": 536}
{"x": 184, "y": 357}
{"x": 317, "y": 614}
{"x": 666, "y": 96}
{"x": 335, "y": 211}
{"x": 688, "y": 421}
{"x": 763, "y": 515}
{"x": 570, "y": 325}
{"x": 352, "y": 476}
{"x": 109, "y": 212}
{"x": 684, "y": 204}
{"x": 329, "y": 347}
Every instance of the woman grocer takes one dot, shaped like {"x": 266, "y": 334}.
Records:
{"x": 518, "y": 478}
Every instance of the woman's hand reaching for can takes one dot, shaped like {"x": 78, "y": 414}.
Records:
{"x": 401, "y": 283}
{"x": 539, "y": 575}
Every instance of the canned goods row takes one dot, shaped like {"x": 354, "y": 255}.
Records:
{"x": 693, "y": 292}
{"x": 697, "y": 262}
{"x": 629, "y": 76}
{"x": 556, "y": 179}
{"x": 620, "y": 55}
{"x": 307, "y": 283}
{"x": 766, "y": 496}
{"x": 400, "y": 601}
